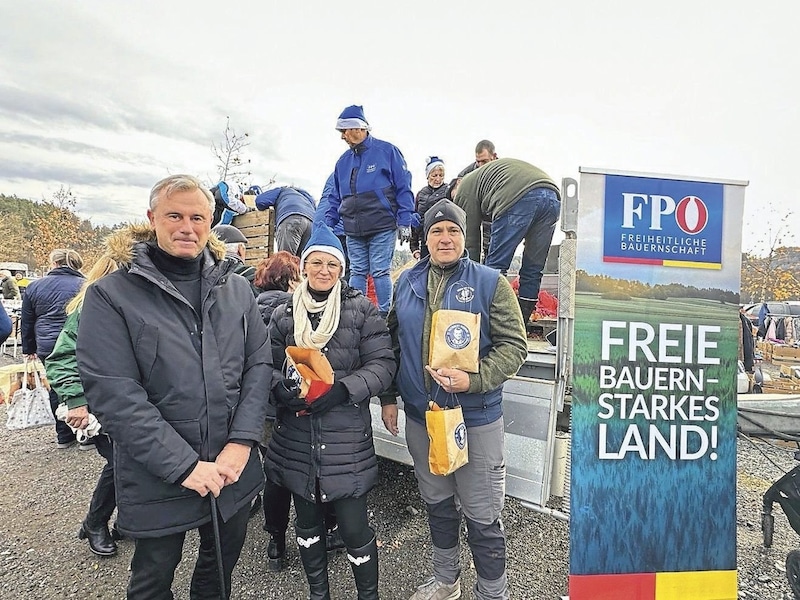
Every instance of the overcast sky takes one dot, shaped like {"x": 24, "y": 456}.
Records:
{"x": 106, "y": 97}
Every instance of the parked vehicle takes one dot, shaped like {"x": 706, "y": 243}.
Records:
{"x": 775, "y": 308}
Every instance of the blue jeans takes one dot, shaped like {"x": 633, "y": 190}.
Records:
{"x": 372, "y": 255}
{"x": 531, "y": 220}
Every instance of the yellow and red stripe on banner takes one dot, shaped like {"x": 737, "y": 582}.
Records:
{"x": 683, "y": 585}
{"x": 660, "y": 262}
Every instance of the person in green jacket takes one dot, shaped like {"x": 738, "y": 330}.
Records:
{"x": 523, "y": 203}
{"x": 62, "y": 372}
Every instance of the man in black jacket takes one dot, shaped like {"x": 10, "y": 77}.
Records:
{"x": 175, "y": 361}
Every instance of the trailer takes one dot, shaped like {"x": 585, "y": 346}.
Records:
{"x": 536, "y": 399}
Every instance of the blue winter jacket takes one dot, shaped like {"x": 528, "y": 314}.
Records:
{"x": 44, "y": 309}
{"x": 372, "y": 190}
{"x": 287, "y": 201}
{"x": 5, "y": 324}
{"x": 322, "y": 207}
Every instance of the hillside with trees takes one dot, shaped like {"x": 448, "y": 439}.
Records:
{"x": 30, "y": 230}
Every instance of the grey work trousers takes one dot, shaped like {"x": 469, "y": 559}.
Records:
{"x": 477, "y": 489}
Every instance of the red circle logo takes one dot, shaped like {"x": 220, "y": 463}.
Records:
{"x": 691, "y": 215}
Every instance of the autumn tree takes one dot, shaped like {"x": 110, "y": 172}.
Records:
{"x": 770, "y": 272}
{"x": 55, "y": 225}
{"x": 231, "y": 163}
{"x": 12, "y": 242}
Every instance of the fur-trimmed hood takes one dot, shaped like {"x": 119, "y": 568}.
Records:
{"x": 119, "y": 244}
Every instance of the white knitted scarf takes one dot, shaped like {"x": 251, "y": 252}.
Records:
{"x": 303, "y": 305}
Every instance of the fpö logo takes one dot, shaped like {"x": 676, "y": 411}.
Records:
{"x": 690, "y": 212}
{"x": 663, "y": 222}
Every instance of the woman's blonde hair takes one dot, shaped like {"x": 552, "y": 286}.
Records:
{"x": 104, "y": 265}
{"x": 66, "y": 258}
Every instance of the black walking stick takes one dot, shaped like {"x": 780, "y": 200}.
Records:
{"x": 218, "y": 547}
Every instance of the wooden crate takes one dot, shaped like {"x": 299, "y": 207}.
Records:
{"x": 785, "y": 352}
{"x": 259, "y": 229}
{"x": 781, "y": 386}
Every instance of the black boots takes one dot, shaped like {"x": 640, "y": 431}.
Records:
{"x": 527, "y": 307}
{"x": 364, "y": 562}
{"x": 333, "y": 540}
{"x": 99, "y": 538}
{"x": 276, "y": 551}
{"x": 311, "y": 544}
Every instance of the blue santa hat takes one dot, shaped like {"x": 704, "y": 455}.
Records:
{"x": 432, "y": 163}
{"x": 352, "y": 117}
{"x": 322, "y": 240}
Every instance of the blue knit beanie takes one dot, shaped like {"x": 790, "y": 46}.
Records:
{"x": 432, "y": 163}
{"x": 352, "y": 117}
{"x": 322, "y": 240}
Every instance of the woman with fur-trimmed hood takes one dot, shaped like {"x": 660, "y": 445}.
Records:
{"x": 62, "y": 372}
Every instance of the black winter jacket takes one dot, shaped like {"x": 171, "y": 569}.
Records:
{"x": 44, "y": 309}
{"x": 336, "y": 446}
{"x": 268, "y": 301}
{"x": 426, "y": 198}
{"x": 172, "y": 387}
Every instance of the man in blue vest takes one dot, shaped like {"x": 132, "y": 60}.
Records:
{"x": 449, "y": 278}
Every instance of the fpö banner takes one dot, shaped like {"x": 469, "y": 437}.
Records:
{"x": 653, "y": 480}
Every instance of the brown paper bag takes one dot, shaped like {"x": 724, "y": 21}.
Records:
{"x": 311, "y": 369}
{"x": 448, "y": 439}
{"x": 455, "y": 340}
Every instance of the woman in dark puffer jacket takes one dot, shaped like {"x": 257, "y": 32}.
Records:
{"x": 278, "y": 276}
{"x": 323, "y": 451}
{"x": 427, "y": 197}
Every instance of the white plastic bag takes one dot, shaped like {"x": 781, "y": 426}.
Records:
{"x": 30, "y": 407}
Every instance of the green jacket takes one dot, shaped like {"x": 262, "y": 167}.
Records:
{"x": 489, "y": 191}
{"x": 10, "y": 289}
{"x": 62, "y": 366}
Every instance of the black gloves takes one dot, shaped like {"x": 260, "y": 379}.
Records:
{"x": 338, "y": 394}
{"x": 285, "y": 394}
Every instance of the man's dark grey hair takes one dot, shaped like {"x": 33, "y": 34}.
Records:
{"x": 484, "y": 145}
{"x": 179, "y": 183}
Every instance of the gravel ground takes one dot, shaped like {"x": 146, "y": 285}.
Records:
{"x": 46, "y": 491}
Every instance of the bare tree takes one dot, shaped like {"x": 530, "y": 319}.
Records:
{"x": 231, "y": 164}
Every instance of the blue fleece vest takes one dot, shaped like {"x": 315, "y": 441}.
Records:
{"x": 470, "y": 288}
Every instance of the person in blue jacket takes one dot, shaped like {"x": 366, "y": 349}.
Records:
{"x": 5, "y": 324}
{"x": 228, "y": 202}
{"x": 372, "y": 195}
{"x": 43, "y": 316}
{"x": 294, "y": 215}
